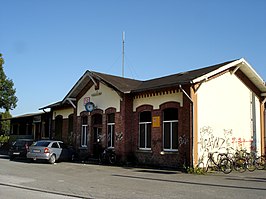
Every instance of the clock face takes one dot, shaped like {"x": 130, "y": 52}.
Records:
{"x": 89, "y": 106}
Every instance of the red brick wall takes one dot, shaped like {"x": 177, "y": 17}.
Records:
{"x": 156, "y": 156}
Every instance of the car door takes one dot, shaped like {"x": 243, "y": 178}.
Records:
{"x": 56, "y": 150}
{"x": 64, "y": 151}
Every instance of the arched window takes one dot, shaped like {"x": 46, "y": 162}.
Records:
{"x": 170, "y": 129}
{"x": 145, "y": 130}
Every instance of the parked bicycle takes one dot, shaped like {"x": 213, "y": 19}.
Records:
{"x": 261, "y": 162}
{"x": 222, "y": 163}
{"x": 108, "y": 156}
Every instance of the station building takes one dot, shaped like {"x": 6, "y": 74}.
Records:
{"x": 169, "y": 121}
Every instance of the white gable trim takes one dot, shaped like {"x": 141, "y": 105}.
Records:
{"x": 242, "y": 65}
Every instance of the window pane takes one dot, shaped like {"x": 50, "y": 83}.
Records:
{"x": 113, "y": 135}
{"x": 97, "y": 119}
{"x": 84, "y": 136}
{"x": 110, "y": 135}
{"x": 175, "y": 135}
{"x": 145, "y": 116}
{"x": 148, "y": 135}
{"x": 111, "y": 118}
{"x": 170, "y": 114}
{"x": 142, "y": 136}
{"x": 167, "y": 135}
{"x": 85, "y": 120}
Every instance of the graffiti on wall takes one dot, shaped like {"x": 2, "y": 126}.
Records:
{"x": 211, "y": 142}
{"x": 118, "y": 136}
{"x": 182, "y": 140}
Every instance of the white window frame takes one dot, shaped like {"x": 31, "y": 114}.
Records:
{"x": 112, "y": 125}
{"x": 171, "y": 135}
{"x": 84, "y": 139}
{"x": 145, "y": 135}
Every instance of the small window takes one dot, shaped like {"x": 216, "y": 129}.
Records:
{"x": 170, "y": 129}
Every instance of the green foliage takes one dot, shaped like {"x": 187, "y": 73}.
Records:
{"x": 5, "y": 124}
{"x": 196, "y": 170}
{"x": 4, "y": 139}
{"x": 8, "y": 100}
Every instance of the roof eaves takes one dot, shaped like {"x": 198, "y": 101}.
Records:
{"x": 220, "y": 69}
{"x": 75, "y": 86}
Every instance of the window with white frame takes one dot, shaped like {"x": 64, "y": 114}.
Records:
{"x": 145, "y": 130}
{"x": 110, "y": 130}
{"x": 170, "y": 129}
{"x": 84, "y": 130}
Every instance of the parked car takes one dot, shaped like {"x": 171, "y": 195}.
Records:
{"x": 19, "y": 148}
{"x": 50, "y": 150}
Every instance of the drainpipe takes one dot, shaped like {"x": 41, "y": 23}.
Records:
{"x": 192, "y": 125}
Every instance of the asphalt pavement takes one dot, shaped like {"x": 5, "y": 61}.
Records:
{"x": 79, "y": 180}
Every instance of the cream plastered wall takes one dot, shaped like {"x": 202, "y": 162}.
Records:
{"x": 103, "y": 98}
{"x": 157, "y": 100}
{"x": 227, "y": 116}
{"x": 64, "y": 112}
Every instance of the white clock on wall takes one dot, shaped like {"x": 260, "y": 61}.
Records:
{"x": 89, "y": 106}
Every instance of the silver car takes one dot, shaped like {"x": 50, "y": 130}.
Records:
{"x": 50, "y": 150}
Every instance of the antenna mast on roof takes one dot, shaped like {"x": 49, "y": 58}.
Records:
{"x": 123, "y": 53}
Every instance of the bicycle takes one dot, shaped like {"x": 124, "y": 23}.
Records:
{"x": 222, "y": 163}
{"x": 260, "y": 162}
{"x": 108, "y": 156}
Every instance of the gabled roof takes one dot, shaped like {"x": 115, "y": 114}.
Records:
{"x": 127, "y": 85}
{"x": 178, "y": 79}
{"x": 124, "y": 85}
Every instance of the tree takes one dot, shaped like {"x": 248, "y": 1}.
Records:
{"x": 8, "y": 100}
{"x": 5, "y": 124}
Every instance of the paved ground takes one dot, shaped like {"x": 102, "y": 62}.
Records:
{"x": 20, "y": 179}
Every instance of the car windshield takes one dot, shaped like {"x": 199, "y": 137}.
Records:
{"x": 42, "y": 143}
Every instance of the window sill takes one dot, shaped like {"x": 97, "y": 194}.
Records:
{"x": 169, "y": 152}
{"x": 83, "y": 147}
{"x": 144, "y": 151}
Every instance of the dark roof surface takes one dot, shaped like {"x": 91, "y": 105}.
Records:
{"x": 120, "y": 83}
{"x": 131, "y": 85}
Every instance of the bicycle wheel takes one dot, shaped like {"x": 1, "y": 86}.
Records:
{"x": 240, "y": 165}
{"x": 210, "y": 166}
{"x": 226, "y": 166}
{"x": 112, "y": 158}
{"x": 251, "y": 166}
{"x": 200, "y": 167}
{"x": 260, "y": 163}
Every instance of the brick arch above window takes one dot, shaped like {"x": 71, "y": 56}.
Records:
{"x": 169, "y": 105}
{"x": 84, "y": 113}
{"x": 97, "y": 111}
{"x": 110, "y": 110}
{"x": 59, "y": 117}
{"x": 144, "y": 108}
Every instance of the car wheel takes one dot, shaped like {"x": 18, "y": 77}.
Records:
{"x": 11, "y": 157}
{"x": 52, "y": 159}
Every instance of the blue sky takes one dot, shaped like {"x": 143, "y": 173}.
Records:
{"x": 48, "y": 45}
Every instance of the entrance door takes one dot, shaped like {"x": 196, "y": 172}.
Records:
{"x": 97, "y": 134}
{"x": 97, "y": 147}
